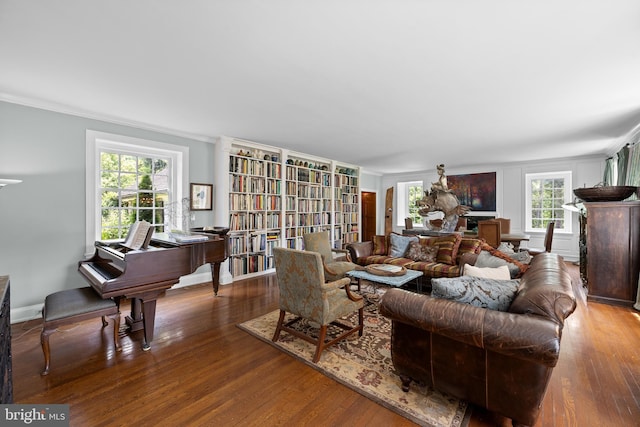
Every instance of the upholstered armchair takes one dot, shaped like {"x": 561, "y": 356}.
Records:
{"x": 305, "y": 294}
{"x": 335, "y": 267}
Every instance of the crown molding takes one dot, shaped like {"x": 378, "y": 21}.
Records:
{"x": 65, "y": 109}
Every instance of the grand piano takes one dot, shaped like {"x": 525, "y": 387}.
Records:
{"x": 116, "y": 271}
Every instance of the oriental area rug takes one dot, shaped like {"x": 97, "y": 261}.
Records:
{"x": 364, "y": 365}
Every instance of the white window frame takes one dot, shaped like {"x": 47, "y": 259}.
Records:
{"x": 403, "y": 201}
{"x": 566, "y": 175}
{"x": 97, "y": 141}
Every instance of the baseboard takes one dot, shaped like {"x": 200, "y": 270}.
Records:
{"x": 23, "y": 314}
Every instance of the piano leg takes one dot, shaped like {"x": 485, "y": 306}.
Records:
{"x": 148, "y": 318}
{"x": 215, "y": 276}
{"x": 143, "y": 315}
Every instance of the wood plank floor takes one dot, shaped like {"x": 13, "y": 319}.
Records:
{"x": 202, "y": 370}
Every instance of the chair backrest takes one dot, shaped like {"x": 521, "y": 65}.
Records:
{"x": 490, "y": 231}
{"x": 548, "y": 237}
{"x": 505, "y": 225}
{"x": 408, "y": 223}
{"x": 300, "y": 277}
{"x": 462, "y": 223}
{"x": 318, "y": 242}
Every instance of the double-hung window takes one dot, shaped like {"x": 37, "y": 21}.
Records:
{"x": 545, "y": 195}
{"x": 129, "y": 180}
{"x": 408, "y": 194}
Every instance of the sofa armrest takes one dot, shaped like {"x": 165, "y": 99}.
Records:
{"x": 468, "y": 258}
{"x": 359, "y": 250}
{"x": 530, "y": 338}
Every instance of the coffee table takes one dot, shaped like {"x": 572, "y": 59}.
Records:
{"x": 395, "y": 281}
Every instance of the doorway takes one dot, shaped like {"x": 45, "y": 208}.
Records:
{"x": 369, "y": 225}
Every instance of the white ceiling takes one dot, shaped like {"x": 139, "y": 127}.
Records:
{"x": 393, "y": 85}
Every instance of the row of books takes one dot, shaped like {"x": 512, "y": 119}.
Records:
{"x": 239, "y": 265}
{"x": 259, "y": 202}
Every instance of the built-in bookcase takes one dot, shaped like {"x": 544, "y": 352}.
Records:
{"x": 308, "y": 195}
{"x": 255, "y": 211}
{"x": 275, "y": 197}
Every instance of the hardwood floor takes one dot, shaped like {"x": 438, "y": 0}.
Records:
{"x": 202, "y": 370}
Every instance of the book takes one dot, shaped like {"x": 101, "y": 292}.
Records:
{"x": 139, "y": 235}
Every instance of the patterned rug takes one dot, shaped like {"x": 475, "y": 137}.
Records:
{"x": 364, "y": 365}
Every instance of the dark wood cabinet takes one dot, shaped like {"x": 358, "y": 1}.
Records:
{"x": 6, "y": 383}
{"x": 613, "y": 251}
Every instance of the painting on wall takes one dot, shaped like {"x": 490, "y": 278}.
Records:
{"x": 477, "y": 190}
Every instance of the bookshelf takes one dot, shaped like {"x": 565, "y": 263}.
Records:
{"x": 347, "y": 206}
{"x": 276, "y": 196}
{"x": 255, "y": 197}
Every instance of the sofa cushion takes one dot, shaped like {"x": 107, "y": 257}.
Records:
{"x": 380, "y": 245}
{"x": 447, "y": 247}
{"x": 435, "y": 269}
{"x": 419, "y": 252}
{"x": 400, "y": 244}
{"x": 480, "y": 292}
{"x": 499, "y": 273}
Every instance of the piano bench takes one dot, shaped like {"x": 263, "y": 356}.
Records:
{"x": 72, "y": 306}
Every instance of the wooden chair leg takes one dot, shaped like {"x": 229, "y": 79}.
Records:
{"x": 44, "y": 341}
{"x": 276, "y": 335}
{"x": 116, "y": 331}
{"x": 320, "y": 346}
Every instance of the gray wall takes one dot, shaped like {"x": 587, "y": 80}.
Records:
{"x": 42, "y": 219}
{"x": 510, "y": 196}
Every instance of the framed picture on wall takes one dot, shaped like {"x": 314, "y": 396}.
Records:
{"x": 201, "y": 197}
{"x": 477, "y": 190}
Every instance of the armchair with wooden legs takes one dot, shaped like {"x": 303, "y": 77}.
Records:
{"x": 335, "y": 267}
{"x": 305, "y": 294}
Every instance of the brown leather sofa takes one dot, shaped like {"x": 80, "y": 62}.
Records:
{"x": 498, "y": 360}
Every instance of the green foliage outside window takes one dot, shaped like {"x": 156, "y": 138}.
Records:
{"x": 415, "y": 194}
{"x": 547, "y": 198}
{"x": 132, "y": 188}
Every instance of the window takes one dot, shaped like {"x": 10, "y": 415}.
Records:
{"x": 130, "y": 179}
{"x": 132, "y": 188}
{"x": 408, "y": 194}
{"x": 545, "y": 195}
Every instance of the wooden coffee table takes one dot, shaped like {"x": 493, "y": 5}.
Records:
{"x": 395, "y": 281}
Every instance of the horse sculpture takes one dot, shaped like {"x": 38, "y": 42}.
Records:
{"x": 441, "y": 199}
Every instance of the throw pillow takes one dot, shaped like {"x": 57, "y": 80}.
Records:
{"x": 523, "y": 267}
{"x": 380, "y": 245}
{"x": 419, "y": 252}
{"x": 499, "y": 273}
{"x": 468, "y": 245}
{"x": 400, "y": 244}
{"x": 480, "y": 292}
{"x": 447, "y": 248}
{"x": 507, "y": 249}
{"x": 485, "y": 259}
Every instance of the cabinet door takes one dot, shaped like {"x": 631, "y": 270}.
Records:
{"x": 613, "y": 251}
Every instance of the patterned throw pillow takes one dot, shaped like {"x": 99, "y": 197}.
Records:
{"x": 447, "y": 248}
{"x": 400, "y": 244}
{"x": 510, "y": 261}
{"x": 468, "y": 245}
{"x": 380, "y": 245}
{"x": 420, "y": 252}
{"x": 477, "y": 291}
